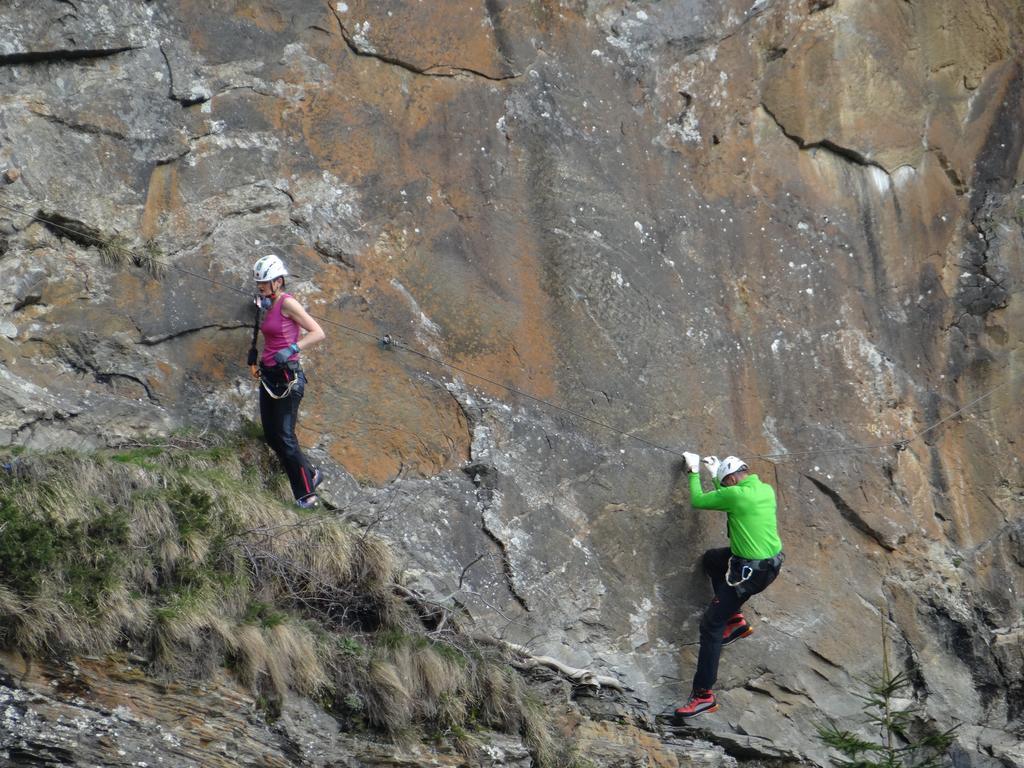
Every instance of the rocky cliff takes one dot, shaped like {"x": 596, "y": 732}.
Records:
{"x": 789, "y": 229}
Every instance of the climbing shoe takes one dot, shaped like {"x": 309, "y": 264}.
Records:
{"x": 699, "y": 703}
{"x": 307, "y": 502}
{"x": 735, "y": 629}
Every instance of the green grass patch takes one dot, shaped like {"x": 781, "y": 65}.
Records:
{"x": 350, "y": 647}
{"x": 141, "y": 457}
{"x": 180, "y": 602}
{"x": 450, "y": 653}
{"x": 264, "y": 615}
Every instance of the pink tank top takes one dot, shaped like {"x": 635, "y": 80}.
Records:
{"x": 278, "y": 332}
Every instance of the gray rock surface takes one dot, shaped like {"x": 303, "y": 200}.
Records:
{"x": 106, "y": 712}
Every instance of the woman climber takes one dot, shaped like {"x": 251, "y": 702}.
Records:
{"x": 282, "y": 381}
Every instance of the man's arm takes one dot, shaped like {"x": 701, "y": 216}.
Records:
{"x": 720, "y": 498}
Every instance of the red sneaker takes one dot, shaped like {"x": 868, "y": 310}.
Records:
{"x": 699, "y": 703}
{"x": 735, "y": 629}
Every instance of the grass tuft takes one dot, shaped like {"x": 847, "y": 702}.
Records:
{"x": 116, "y": 251}
{"x": 388, "y": 702}
{"x": 151, "y": 257}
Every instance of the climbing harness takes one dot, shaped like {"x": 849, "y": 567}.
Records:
{"x": 268, "y": 386}
{"x": 287, "y": 390}
{"x": 747, "y": 568}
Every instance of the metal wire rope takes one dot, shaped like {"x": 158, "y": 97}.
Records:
{"x": 388, "y": 341}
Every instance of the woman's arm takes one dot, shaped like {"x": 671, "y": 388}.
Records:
{"x": 294, "y": 311}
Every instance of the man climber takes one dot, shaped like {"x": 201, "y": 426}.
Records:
{"x": 747, "y": 566}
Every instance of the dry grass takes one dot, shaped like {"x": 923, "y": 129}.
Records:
{"x": 439, "y": 682}
{"x": 375, "y": 563}
{"x": 537, "y": 733}
{"x": 497, "y": 696}
{"x": 254, "y": 657}
{"x": 10, "y": 602}
{"x": 299, "y": 650}
{"x": 181, "y": 552}
{"x": 389, "y": 703}
{"x": 328, "y": 550}
{"x": 46, "y": 624}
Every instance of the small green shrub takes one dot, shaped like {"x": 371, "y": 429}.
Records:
{"x": 353, "y": 702}
{"x": 93, "y": 557}
{"x": 28, "y": 549}
{"x": 349, "y": 646}
{"x": 85, "y": 556}
{"x": 896, "y": 745}
{"x": 192, "y": 508}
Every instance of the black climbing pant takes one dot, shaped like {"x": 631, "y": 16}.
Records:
{"x": 726, "y": 602}
{"x": 279, "y": 414}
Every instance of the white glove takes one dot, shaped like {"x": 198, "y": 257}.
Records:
{"x": 692, "y": 461}
{"x": 711, "y": 462}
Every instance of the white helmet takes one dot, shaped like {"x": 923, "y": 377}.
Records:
{"x": 729, "y": 465}
{"x": 269, "y": 267}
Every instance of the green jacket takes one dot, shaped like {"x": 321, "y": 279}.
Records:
{"x": 750, "y": 507}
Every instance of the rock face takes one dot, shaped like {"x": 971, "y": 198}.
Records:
{"x": 787, "y": 230}
{"x": 93, "y": 712}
